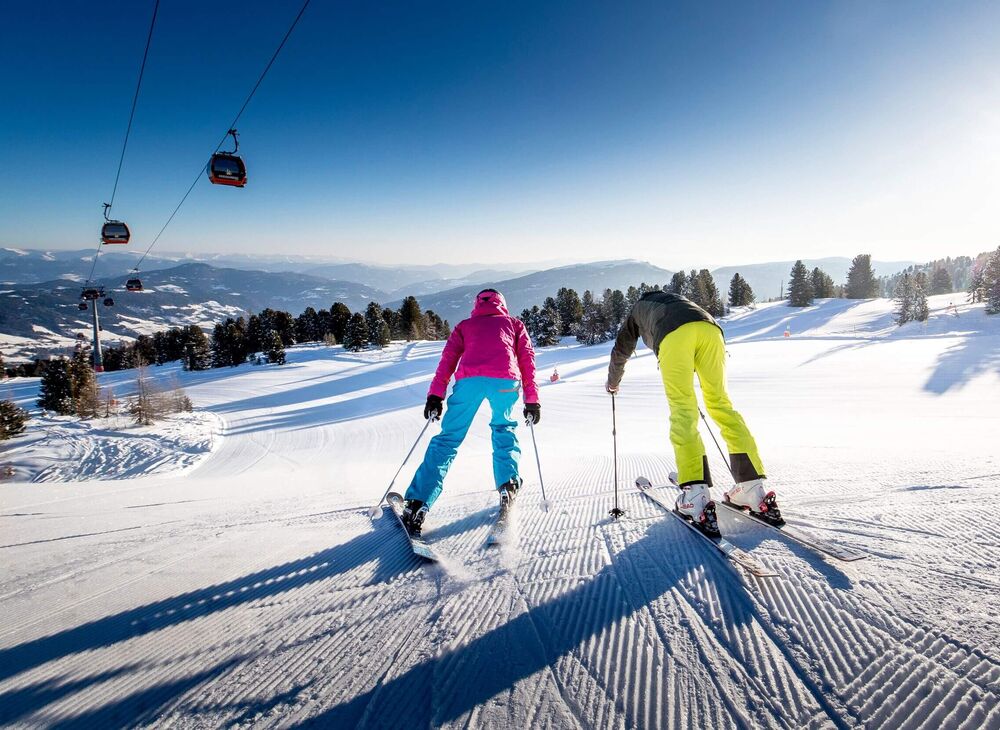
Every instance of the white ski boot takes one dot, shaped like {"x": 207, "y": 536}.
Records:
{"x": 695, "y": 504}
{"x": 751, "y": 496}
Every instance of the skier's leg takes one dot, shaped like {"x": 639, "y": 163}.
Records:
{"x": 428, "y": 480}
{"x": 676, "y": 358}
{"x": 503, "y": 395}
{"x": 710, "y": 364}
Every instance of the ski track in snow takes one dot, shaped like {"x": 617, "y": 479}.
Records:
{"x": 255, "y": 592}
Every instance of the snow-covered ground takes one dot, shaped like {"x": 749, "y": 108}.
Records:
{"x": 253, "y": 590}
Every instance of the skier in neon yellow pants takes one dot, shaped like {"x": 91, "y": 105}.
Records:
{"x": 687, "y": 341}
{"x": 698, "y": 347}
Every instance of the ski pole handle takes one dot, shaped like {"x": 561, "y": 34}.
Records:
{"x": 375, "y": 509}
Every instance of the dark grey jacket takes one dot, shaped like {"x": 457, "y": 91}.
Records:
{"x": 653, "y": 317}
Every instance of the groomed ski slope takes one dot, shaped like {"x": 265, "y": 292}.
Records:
{"x": 251, "y": 589}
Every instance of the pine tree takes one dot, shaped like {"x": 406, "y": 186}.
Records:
{"x": 941, "y": 281}
{"x": 570, "y": 310}
{"x": 529, "y": 317}
{"x": 615, "y": 311}
{"x": 920, "y": 309}
{"x": 678, "y": 284}
{"x": 392, "y": 319}
{"x": 800, "y": 291}
{"x": 904, "y": 300}
{"x": 977, "y": 284}
{"x": 549, "y": 325}
{"x": 861, "y": 282}
{"x": 275, "y": 349}
{"x": 377, "y": 330}
{"x": 411, "y": 319}
{"x": 86, "y": 401}
{"x": 435, "y": 328}
{"x": 593, "y": 326}
{"x": 55, "y": 392}
{"x": 740, "y": 293}
{"x": 712, "y": 299}
{"x": 197, "y": 349}
{"x": 220, "y": 348}
{"x": 822, "y": 284}
{"x": 356, "y": 334}
{"x": 307, "y": 328}
{"x": 340, "y": 315}
{"x": 12, "y": 419}
{"x": 991, "y": 283}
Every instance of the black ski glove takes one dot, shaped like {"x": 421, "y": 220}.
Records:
{"x": 533, "y": 412}
{"x": 434, "y": 407}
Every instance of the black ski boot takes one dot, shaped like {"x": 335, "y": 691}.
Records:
{"x": 508, "y": 493}
{"x": 413, "y": 516}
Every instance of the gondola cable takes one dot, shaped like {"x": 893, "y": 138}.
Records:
{"x": 128, "y": 131}
{"x": 230, "y": 129}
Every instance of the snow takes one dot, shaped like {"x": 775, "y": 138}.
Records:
{"x": 254, "y": 591}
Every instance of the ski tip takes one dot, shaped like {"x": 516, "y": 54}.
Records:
{"x": 375, "y": 512}
{"x": 672, "y": 476}
{"x": 643, "y": 483}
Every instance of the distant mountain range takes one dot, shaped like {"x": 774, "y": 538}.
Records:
{"x": 525, "y": 291}
{"x": 40, "y": 290}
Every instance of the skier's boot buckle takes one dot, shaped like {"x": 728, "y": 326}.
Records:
{"x": 709, "y": 522}
{"x": 769, "y": 511}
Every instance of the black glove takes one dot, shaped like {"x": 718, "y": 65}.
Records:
{"x": 434, "y": 407}
{"x": 532, "y": 412}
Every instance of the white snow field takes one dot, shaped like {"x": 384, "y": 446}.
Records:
{"x": 251, "y": 589}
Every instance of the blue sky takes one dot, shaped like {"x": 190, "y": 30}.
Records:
{"x": 685, "y": 134}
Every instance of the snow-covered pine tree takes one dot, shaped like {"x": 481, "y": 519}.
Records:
{"x": 593, "y": 327}
{"x": 941, "y": 281}
{"x": 356, "y": 335}
{"x": 991, "y": 283}
{"x": 549, "y": 328}
{"x": 920, "y": 309}
{"x": 800, "y": 291}
{"x": 977, "y": 284}
{"x": 375, "y": 324}
{"x": 861, "y": 281}
{"x": 903, "y": 296}
{"x": 12, "y": 419}
{"x": 274, "y": 350}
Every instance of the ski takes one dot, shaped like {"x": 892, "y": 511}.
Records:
{"x": 738, "y": 557}
{"x": 499, "y": 528}
{"x": 419, "y": 546}
{"x": 796, "y": 534}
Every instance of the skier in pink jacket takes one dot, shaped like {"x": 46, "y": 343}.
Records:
{"x": 494, "y": 359}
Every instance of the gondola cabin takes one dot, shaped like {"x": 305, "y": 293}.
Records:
{"x": 226, "y": 168}
{"x": 115, "y": 232}
{"x": 109, "y": 302}
{"x": 91, "y": 293}
{"x": 133, "y": 285}
{"x": 82, "y": 306}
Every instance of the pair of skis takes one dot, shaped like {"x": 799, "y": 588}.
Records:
{"x": 423, "y": 549}
{"x": 739, "y": 557}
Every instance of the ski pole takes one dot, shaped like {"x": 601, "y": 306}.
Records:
{"x": 721, "y": 453}
{"x": 376, "y": 511}
{"x": 545, "y": 502}
{"x": 616, "y": 512}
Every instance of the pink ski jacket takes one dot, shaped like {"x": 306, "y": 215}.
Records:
{"x": 490, "y": 343}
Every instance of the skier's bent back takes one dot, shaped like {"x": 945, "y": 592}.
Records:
{"x": 687, "y": 340}
{"x": 492, "y": 353}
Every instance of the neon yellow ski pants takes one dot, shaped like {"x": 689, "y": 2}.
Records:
{"x": 698, "y": 347}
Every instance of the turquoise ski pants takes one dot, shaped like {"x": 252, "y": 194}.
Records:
{"x": 466, "y": 398}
